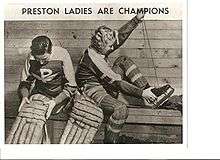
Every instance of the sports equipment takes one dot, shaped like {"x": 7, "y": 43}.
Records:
{"x": 162, "y": 94}
{"x": 83, "y": 123}
{"x": 30, "y": 124}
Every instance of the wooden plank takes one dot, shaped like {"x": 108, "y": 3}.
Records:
{"x": 13, "y": 69}
{"x": 169, "y": 72}
{"x": 11, "y": 87}
{"x": 165, "y": 63}
{"x": 162, "y": 72}
{"x": 154, "y": 120}
{"x": 132, "y": 52}
{"x": 174, "y": 82}
{"x": 51, "y": 33}
{"x": 16, "y": 60}
{"x": 164, "y": 44}
{"x": 87, "y": 33}
{"x": 13, "y": 57}
{"x": 155, "y": 112}
{"x": 10, "y": 51}
{"x": 156, "y": 34}
{"x": 148, "y": 138}
{"x": 158, "y": 63}
{"x": 19, "y": 60}
{"x": 12, "y": 78}
{"x": 154, "y": 63}
{"x": 160, "y": 34}
{"x": 115, "y": 24}
{"x": 150, "y": 129}
{"x": 13, "y": 51}
{"x": 85, "y": 43}
{"x": 160, "y": 53}
{"x": 163, "y": 53}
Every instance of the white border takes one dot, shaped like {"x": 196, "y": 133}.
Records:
{"x": 2, "y": 79}
{"x": 100, "y": 151}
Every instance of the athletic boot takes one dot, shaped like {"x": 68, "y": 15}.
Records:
{"x": 161, "y": 93}
{"x": 111, "y": 137}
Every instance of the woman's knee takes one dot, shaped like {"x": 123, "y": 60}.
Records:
{"x": 121, "y": 60}
{"x": 120, "y": 111}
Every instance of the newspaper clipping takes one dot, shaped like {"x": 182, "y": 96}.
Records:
{"x": 106, "y": 73}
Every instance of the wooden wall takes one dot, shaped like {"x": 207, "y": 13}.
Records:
{"x": 162, "y": 65}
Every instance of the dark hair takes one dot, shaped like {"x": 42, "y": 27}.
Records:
{"x": 40, "y": 45}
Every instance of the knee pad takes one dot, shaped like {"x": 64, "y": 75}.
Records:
{"x": 120, "y": 111}
{"x": 116, "y": 122}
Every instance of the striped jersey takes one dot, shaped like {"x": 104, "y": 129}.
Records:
{"x": 93, "y": 67}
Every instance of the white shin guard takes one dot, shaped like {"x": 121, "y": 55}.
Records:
{"x": 84, "y": 122}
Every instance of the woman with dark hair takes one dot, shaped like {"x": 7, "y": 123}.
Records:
{"x": 47, "y": 84}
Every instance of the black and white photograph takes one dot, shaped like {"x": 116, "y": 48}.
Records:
{"x": 120, "y": 79}
{"x": 93, "y": 81}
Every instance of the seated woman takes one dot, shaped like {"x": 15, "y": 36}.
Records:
{"x": 49, "y": 69}
{"x": 101, "y": 83}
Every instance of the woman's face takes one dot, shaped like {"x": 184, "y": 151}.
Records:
{"x": 108, "y": 38}
{"x": 42, "y": 58}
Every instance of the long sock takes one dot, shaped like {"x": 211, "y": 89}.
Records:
{"x": 130, "y": 72}
{"x": 112, "y": 130}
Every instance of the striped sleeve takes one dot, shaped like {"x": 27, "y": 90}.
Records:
{"x": 124, "y": 32}
{"x": 104, "y": 71}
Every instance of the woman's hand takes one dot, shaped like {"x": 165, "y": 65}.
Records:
{"x": 140, "y": 16}
{"x": 50, "y": 104}
{"x": 148, "y": 95}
